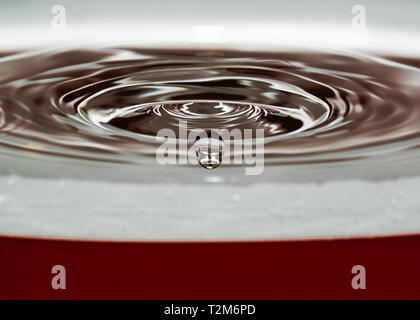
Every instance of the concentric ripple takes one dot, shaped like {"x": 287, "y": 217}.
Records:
{"x": 108, "y": 104}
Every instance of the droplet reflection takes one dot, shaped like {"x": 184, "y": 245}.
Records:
{"x": 209, "y": 152}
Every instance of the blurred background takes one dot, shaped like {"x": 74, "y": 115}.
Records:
{"x": 391, "y": 26}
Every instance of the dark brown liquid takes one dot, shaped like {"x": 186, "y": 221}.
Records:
{"x": 108, "y": 104}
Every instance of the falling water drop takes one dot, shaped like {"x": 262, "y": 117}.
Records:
{"x": 209, "y": 152}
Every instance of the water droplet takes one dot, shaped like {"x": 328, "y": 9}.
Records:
{"x": 209, "y": 152}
